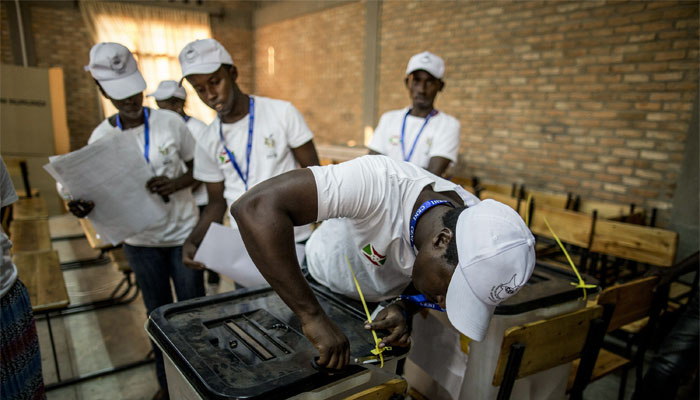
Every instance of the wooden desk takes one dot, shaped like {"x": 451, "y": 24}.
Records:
{"x": 91, "y": 235}
{"x": 40, "y": 271}
{"x": 30, "y": 235}
{"x": 30, "y": 208}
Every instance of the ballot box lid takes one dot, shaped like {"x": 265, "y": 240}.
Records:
{"x": 548, "y": 286}
{"x": 248, "y": 344}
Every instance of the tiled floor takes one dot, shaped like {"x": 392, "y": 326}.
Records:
{"x": 95, "y": 340}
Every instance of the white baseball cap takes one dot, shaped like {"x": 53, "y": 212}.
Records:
{"x": 428, "y": 62}
{"x": 496, "y": 257}
{"x": 203, "y": 56}
{"x": 115, "y": 69}
{"x": 168, "y": 89}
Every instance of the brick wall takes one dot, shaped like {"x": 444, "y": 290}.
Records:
{"x": 319, "y": 68}
{"x": 238, "y": 42}
{"x": 589, "y": 97}
{"x": 62, "y": 40}
{"x": 5, "y": 46}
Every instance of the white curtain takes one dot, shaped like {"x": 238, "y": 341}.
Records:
{"x": 155, "y": 35}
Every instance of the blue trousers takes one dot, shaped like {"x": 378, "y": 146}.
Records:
{"x": 154, "y": 267}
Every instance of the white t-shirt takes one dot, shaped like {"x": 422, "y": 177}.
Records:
{"x": 440, "y": 138}
{"x": 197, "y": 128}
{"x": 8, "y": 271}
{"x": 278, "y": 128}
{"x": 367, "y": 204}
{"x": 171, "y": 144}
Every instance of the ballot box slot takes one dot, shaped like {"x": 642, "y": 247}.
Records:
{"x": 252, "y": 323}
{"x": 249, "y": 341}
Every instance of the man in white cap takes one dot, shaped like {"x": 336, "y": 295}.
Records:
{"x": 420, "y": 134}
{"x": 170, "y": 95}
{"x": 155, "y": 255}
{"x": 397, "y": 225}
{"x": 253, "y": 138}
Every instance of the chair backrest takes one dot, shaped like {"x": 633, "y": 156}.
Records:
{"x": 498, "y": 188}
{"x": 570, "y": 226}
{"x": 635, "y": 242}
{"x": 553, "y": 200}
{"x": 548, "y": 343}
{"x": 506, "y": 199}
{"x": 632, "y": 301}
{"x": 604, "y": 209}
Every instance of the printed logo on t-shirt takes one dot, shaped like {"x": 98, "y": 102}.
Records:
{"x": 162, "y": 149}
{"x": 373, "y": 255}
{"x": 270, "y": 144}
{"x": 223, "y": 157}
{"x": 395, "y": 140}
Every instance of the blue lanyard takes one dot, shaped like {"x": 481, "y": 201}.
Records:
{"x": 419, "y": 212}
{"x": 415, "y": 142}
{"x": 187, "y": 118}
{"x": 251, "y": 119}
{"x": 421, "y": 301}
{"x": 145, "y": 133}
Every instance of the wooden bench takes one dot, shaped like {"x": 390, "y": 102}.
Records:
{"x": 544, "y": 344}
{"x": 506, "y": 199}
{"x": 635, "y": 242}
{"x": 40, "y": 271}
{"x": 30, "y": 208}
{"x": 92, "y": 237}
{"x": 30, "y": 235}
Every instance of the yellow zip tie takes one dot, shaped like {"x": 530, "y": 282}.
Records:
{"x": 377, "y": 351}
{"x": 527, "y": 209}
{"x": 581, "y": 283}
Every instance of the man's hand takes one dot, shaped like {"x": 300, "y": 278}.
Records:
{"x": 392, "y": 319}
{"x": 80, "y": 208}
{"x": 329, "y": 340}
{"x": 162, "y": 185}
{"x": 188, "y": 252}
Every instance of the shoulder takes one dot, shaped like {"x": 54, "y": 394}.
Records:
{"x": 393, "y": 114}
{"x": 165, "y": 116}
{"x": 196, "y": 126}
{"x": 448, "y": 119}
{"x": 104, "y": 128}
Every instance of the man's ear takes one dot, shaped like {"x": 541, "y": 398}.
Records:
{"x": 442, "y": 301}
{"x": 233, "y": 73}
{"x": 443, "y": 238}
{"x": 442, "y": 85}
{"x": 405, "y": 81}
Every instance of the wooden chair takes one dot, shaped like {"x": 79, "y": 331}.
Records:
{"x": 605, "y": 210}
{"x": 624, "y": 304}
{"x": 552, "y": 200}
{"x": 574, "y": 229}
{"x": 384, "y": 391}
{"x": 631, "y": 242}
{"x": 509, "y": 190}
{"x": 544, "y": 344}
{"x": 508, "y": 200}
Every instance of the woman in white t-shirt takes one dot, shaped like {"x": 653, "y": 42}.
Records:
{"x": 20, "y": 360}
{"x": 155, "y": 255}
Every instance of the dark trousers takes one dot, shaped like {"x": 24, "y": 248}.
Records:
{"x": 676, "y": 357}
{"x": 153, "y": 268}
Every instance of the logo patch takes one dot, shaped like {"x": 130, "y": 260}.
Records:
{"x": 395, "y": 140}
{"x": 163, "y": 150}
{"x": 223, "y": 157}
{"x": 373, "y": 255}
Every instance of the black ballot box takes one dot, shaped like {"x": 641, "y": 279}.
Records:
{"x": 248, "y": 344}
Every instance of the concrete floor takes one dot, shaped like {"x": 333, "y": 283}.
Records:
{"x": 99, "y": 339}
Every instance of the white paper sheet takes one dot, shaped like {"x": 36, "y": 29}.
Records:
{"x": 113, "y": 174}
{"x": 222, "y": 250}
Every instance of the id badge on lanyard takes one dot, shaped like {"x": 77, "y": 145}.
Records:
{"x": 420, "y": 132}
{"x": 251, "y": 119}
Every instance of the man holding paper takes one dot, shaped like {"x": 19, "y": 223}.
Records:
{"x": 253, "y": 138}
{"x": 397, "y": 225}
{"x": 155, "y": 254}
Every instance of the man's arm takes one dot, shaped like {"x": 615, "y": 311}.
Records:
{"x": 438, "y": 165}
{"x": 266, "y": 216}
{"x": 213, "y": 212}
{"x": 306, "y": 154}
